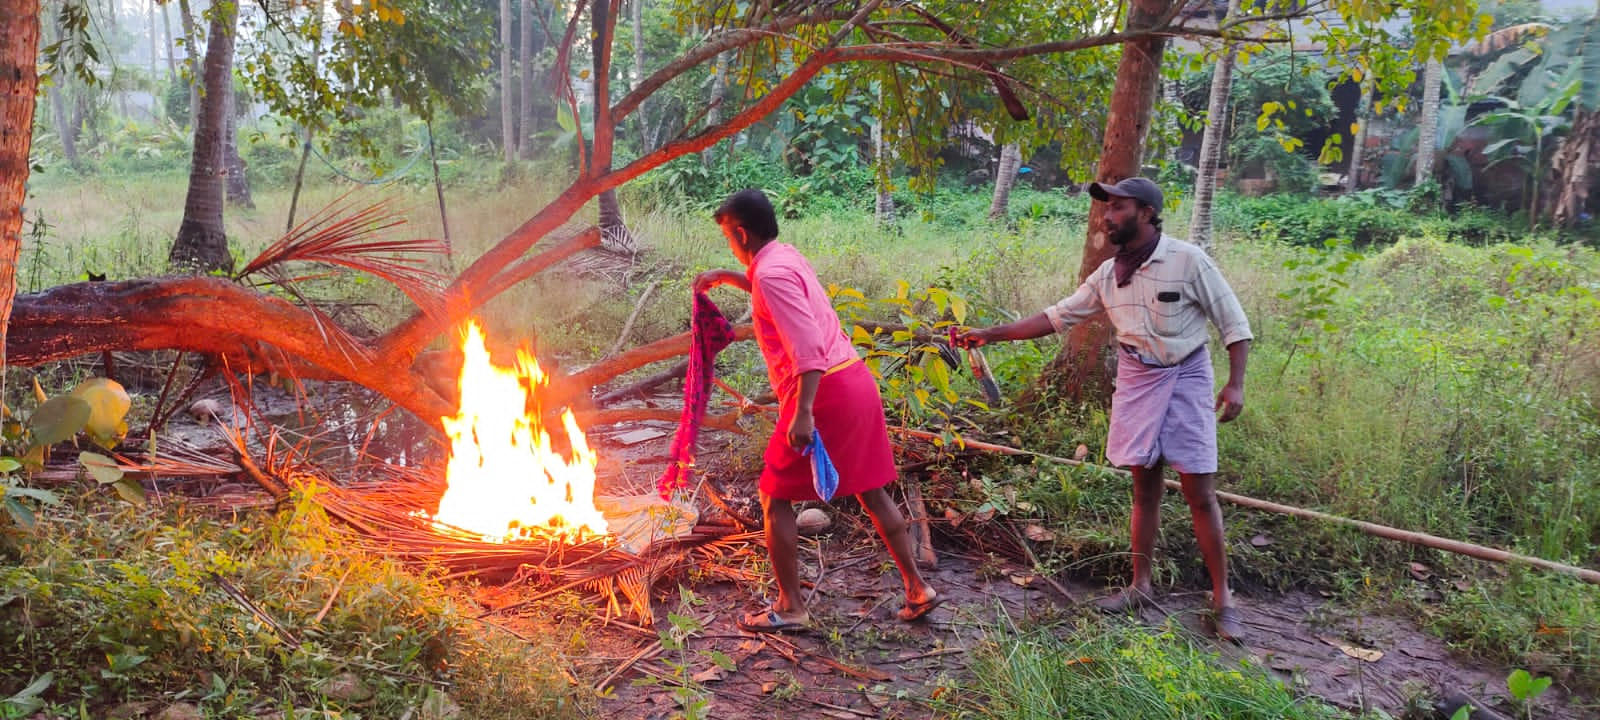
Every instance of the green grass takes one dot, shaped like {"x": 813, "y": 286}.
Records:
{"x": 1114, "y": 671}
{"x": 124, "y": 604}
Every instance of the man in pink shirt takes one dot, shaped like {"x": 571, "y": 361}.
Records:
{"x": 821, "y": 384}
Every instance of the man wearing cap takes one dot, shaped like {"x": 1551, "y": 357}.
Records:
{"x": 1158, "y": 292}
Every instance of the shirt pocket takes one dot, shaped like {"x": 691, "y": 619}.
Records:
{"x": 1169, "y": 311}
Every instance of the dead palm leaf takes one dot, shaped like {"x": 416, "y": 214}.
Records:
{"x": 351, "y": 237}
{"x": 1508, "y": 37}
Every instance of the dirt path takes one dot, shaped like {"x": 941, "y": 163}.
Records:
{"x": 862, "y": 662}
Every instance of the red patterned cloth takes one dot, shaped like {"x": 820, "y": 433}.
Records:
{"x": 710, "y": 332}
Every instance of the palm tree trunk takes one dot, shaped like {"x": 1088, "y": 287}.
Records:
{"x": 238, "y": 182}
{"x": 305, "y": 140}
{"x": 19, "y": 81}
{"x": 1212, "y": 140}
{"x": 641, "y": 118}
{"x": 65, "y": 128}
{"x": 166, "y": 34}
{"x": 202, "y": 244}
{"x": 613, "y": 230}
{"x": 155, "y": 58}
{"x": 884, "y": 203}
{"x": 1358, "y": 145}
{"x": 190, "y": 39}
{"x": 719, "y": 81}
{"x": 508, "y": 90}
{"x": 1083, "y": 368}
{"x": 1428, "y": 126}
{"x": 525, "y": 73}
{"x": 1004, "y": 178}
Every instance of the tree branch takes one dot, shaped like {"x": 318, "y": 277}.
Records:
{"x": 641, "y": 356}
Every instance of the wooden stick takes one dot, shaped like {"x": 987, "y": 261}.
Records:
{"x": 627, "y": 326}
{"x": 331, "y": 597}
{"x": 644, "y": 385}
{"x": 1459, "y": 547}
{"x": 921, "y": 536}
{"x": 649, "y": 651}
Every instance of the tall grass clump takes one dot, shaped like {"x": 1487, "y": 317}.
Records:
{"x": 1433, "y": 386}
{"x": 1117, "y": 671}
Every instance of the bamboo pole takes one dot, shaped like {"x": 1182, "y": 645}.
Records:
{"x": 1459, "y": 547}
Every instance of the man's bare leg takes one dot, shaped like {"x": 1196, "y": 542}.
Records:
{"x": 892, "y": 527}
{"x": 1146, "y": 521}
{"x": 783, "y": 551}
{"x": 1200, "y": 491}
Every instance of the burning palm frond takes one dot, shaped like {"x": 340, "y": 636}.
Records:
{"x": 347, "y": 236}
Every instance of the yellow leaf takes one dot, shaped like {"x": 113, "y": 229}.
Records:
{"x": 38, "y": 392}
{"x": 108, "y": 405}
{"x": 1359, "y": 653}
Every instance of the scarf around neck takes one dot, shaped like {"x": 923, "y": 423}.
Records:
{"x": 1128, "y": 261}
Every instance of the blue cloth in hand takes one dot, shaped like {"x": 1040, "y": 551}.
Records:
{"x": 824, "y": 477}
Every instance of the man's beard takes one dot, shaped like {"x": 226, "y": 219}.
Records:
{"x": 1123, "y": 234}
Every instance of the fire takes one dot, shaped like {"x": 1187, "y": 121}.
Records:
{"x": 504, "y": 480}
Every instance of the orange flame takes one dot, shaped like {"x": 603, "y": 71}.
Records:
{"x": 504, "y": 480}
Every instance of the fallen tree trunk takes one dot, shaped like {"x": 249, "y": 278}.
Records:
{"x": 1384, "y": 531}
{"x": 251, "y": 331}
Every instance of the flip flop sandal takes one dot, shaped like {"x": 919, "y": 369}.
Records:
{"x": 771, "y": 622}
{"x": 918, "y": 611}
{"x": 1127, "y": 600}
{"x": 1229, "y": 624}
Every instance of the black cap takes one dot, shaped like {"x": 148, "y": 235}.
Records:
{"x": 1138, "y": 188}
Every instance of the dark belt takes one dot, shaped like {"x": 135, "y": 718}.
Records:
{"x": 1129, "y": 349}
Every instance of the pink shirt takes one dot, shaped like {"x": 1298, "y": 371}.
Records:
{"x": 796, "y": 326}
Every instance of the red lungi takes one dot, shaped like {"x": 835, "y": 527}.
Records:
{"x": 849, "y": 416}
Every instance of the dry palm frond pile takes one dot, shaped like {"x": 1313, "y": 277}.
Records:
{"x": 386, "y": 513}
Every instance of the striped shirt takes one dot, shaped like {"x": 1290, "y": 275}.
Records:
{"x": 1161, "y": 315}
{"x": 796, "y": 326}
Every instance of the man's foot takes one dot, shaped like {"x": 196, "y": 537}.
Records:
{"x": 772, "y": 621}
{"x": 1228, "y": 622}
{"x": 1128, "y": 599}
{"x": 913, "y": 612}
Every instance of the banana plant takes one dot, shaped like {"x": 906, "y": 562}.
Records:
{"x": 1528, "y": 132}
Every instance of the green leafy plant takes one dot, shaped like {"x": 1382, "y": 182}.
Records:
{"x": 686, "y": 685}
{"x": 1525, "y": 688}
{"x": 911, "y": 358}
{"x": 26, "y": 701}
{"x": 1319, "y": 280}
{"x": 96, "y": 407}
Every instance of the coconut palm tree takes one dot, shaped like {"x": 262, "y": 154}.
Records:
{"x": 202, "y": 244}
{"x": 1212, "y": 140}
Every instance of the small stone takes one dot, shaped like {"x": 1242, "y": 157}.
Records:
{"x": 439, "y": 706}
{"x": 180, "y": 711}
{"x": 205, "y": 409}
{"x": 813, "y": 520}
{"x": 130, "y": 711}
{"x": 347, "y": 687}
